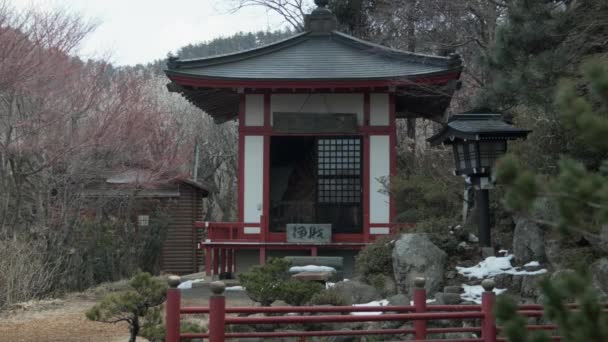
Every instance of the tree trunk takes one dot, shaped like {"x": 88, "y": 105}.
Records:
{"x": 134, "y": 329}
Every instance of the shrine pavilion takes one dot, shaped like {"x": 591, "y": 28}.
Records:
{"x": 317, "y": 140}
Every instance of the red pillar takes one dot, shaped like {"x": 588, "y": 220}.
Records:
{"x": 172, "y": 310}
{"x": 217, "y": 313}
{"x": 420, "y": 306}
{"x": 208, "y": 260}
{"x": 263, "y": 256}
{"x": 488, "y": 324}
{"x": 314, "y": 251}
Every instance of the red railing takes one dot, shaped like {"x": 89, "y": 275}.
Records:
{"x": 220, "y": 316}
{"x": 258, "y": 232}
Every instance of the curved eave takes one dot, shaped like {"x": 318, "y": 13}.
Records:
{"x": 449, "y": 136}
{"x": 184, "y": 79}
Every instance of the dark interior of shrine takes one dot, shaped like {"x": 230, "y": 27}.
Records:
{"x": 315, "y": 180}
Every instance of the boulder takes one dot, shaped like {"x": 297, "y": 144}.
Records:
{"x": 599, "y": 275}
{"x": 561, "y": 256}
{"x": 398, "y": 300}
{"x": 357, "y": 292}
{"x": 599, "y": 241}
{"x": 529, "y": 286}
{"x": 528, "y": 241}
{"x": 414, "y": 255}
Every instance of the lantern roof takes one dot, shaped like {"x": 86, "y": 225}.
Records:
{"x": 477, "y": 126}
{"x": 320, "y": 58}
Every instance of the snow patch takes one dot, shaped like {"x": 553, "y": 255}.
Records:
{"x": 532, "y": 264}
{"x": 428, "y": 301}
{"x": 472, "y": 293}
{"x": 329, "y": 284}
{"x": 383, "y": 302}
{"x": 235, "y": 288}
{"x": 311, "y": 268}
{"x": 493, "y": 266}
{"x": 187, "y": 285}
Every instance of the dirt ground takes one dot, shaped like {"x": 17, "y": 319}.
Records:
{"x": 60, "y": 320}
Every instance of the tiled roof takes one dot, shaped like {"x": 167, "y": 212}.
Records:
{"x": 307, "y": 56}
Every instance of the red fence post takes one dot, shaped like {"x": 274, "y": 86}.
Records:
{"x": 217, "y": 312}
{"x": 420, "y": 306}
{"x": 172, "y": 309}
{"x": 488, "y": 324}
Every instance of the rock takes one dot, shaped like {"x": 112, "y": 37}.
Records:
{"x": 599, "y": 241}
{"x": 453, "y": 289}
{"x": 439, "y": 298}
{"x": 313, "y": 276}
{"x": 487, "y": 252}
{"x": 563, "y": 257}
{"x": 529, "y": 286}
{"x": 357, "y": 292}
{"x": 599, "y": 275}
{"x": 398, "y": 300}
{"x": 414, "y": 255}
{"x": 528, "y": 241}
{"x": 451, "y": 298}
{"x": 473, "y": 238}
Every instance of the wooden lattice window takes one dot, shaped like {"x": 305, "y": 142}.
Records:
{"x": 339, "y": 170}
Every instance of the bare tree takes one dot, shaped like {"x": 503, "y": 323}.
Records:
{"x": 292, "y": 11}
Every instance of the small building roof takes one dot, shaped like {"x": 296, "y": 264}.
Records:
{"x": 141, "y": 183}
{"x": 320, "y": 58}
{"x": 472, "y": 126}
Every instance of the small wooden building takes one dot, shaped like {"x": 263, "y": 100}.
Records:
{"x": 179, "y": 198}
{"x": 317, "y": 139}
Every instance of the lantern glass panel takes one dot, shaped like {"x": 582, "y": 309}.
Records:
{"x": 461, "y": 165}
{"x": 490, "y": 151}
{"x": 473, "y": 154}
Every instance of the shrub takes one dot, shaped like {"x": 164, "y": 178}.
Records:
{"x": 25, "y": 271}
{"x": 296, "y": 292}
{"x": 331, "y": 296}
{"x": 133, "y": 305}
{"x": 263, "y": 284}
{"x": 154, "y": 329}
{"x": 376, "y": 258}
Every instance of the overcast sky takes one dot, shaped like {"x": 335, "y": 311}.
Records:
{"x": 140, "y": 31}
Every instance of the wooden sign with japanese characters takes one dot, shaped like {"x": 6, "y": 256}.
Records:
{"x": 309, "y": 232}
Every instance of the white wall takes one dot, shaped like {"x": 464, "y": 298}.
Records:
{"x": 379, "y": 110}
{"x": 379, "y": 209}
{"x": 254, "y": 110}
{"x": 254, "y": 181}
{"x": 318, "y": 103}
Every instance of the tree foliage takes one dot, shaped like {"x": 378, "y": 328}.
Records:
{"x": 133, "y": 305}
{"x": 580, "y": 192}
{"x": 270, "y": 282}
{"x": 588, "y": 322}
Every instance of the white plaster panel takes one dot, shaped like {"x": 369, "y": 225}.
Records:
{"x": 251, "y": 230}
{"x": 254, "y": 178}
{"x": 379, "y": 110}
{"x": 254, "y": 110}
{"x": 379, "y": 208}
{"x": 379, "y": 230}
{"x": 318, "y": 103}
